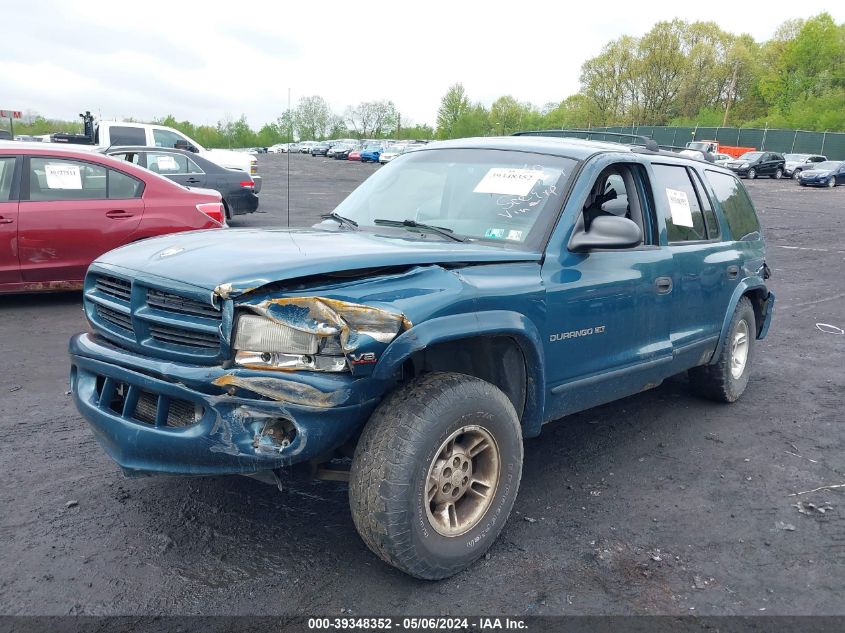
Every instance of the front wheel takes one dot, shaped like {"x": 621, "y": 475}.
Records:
{"x": 752, "y": 173}
{"x": 435, "y": 474}
{"x": 725, "y": 379}
{"x": 796, "y": 174}
{"x": 831, "y": 183}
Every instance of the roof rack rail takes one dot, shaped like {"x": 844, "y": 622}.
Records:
{"x": 649, "y": 143}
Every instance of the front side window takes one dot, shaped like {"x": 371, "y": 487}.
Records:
{"x": 507, "y": 197}
{"x": 63, "y": 179}
{"x": 127, "y": 135}
{"x": 684, "y": 221}
{"x": 166, "y": 138}
{"x": 736, "y": 205}
{"x": 7, "y": 170}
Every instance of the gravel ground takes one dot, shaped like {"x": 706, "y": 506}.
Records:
{"x": 660, "y": 503}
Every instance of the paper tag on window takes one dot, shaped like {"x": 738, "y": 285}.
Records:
{"x": 61, "y": 176}
{"x": 679, "y": 207}
{"x": 167, "y": 163}
{"x": 509, "y": 182}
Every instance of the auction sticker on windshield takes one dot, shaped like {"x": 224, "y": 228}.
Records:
{"x": 508, "y": 181}
{"x": 61, "y": 176}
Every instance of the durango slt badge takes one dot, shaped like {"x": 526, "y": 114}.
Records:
{"x": 599, "y": 329}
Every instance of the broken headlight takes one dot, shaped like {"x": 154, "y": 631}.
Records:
{"x": 309, "y": 333}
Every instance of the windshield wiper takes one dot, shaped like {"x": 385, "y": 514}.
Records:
{"x": 440, "y": 230}
{"x": 340, "y": 219}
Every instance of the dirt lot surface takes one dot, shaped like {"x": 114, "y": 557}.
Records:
{"x": 660, "y": 503}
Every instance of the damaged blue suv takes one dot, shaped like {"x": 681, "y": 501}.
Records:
{"x": 460, "y": 298}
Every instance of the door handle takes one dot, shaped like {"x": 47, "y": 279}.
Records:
{"x": 118, "y": 214}
{"x": 663, "y": 285}
{"x": 5, "y": 220}
{"x": 733, "y": 272}
{"x": 193, "y": 181}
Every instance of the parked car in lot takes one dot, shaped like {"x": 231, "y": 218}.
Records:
{"x": 371, "y": 153}
{"x": 753, "y": 164}
{"x": 796, "y": 163}
{"x": 354, "y": 154}
{"x": 192, "y": 170}
{"x": 341, "y": 150}
{"x": 61, "y": 208}
{"x": 320, "y": 149}
{"x": 455, "y": 302}
{"x": 305, "y": 146}
{"x": 721, "y": 159}
{"x": 391, "y": 152}
{"x": 827, "y": 174}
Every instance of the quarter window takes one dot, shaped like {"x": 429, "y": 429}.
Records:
{"x": 684, "y": 220}
{"x": 123, "y": 186}
{"x": 61, "y": 179}
{"x": 736, "y": 205}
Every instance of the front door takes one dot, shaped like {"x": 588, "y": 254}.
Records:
{"x": 607, "y": 328}
{"x": 10, "y": 269}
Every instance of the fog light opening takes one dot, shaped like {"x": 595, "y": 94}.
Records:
{"x": 275, "y": 435}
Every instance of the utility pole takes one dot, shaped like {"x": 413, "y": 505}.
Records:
{"x": 398, "y": 126}
{"x": 731, "y": 89}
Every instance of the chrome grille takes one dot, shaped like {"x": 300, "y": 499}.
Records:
{"x": 183, "y": 336}
{"x": 114, "y": 317}
{"x": 118, "y": 288}
{"x": 182, "y": 305}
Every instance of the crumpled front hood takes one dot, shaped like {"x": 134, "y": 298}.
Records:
{"x": 238, "y": 260}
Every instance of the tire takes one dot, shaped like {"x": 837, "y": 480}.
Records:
{"x": 778, "y": 174}
{"x": 796, "y": 174}
{"x": 831, "y": 183}
{"x": 721, "y": 380}
{"x": 401, "y": 471}
{"x": 226, "y": 212}
{"x": 752, "y": 173}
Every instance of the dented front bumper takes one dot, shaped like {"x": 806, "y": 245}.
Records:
{"x": 158, "y": 416}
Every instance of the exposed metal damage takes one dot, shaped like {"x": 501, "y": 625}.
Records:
{"x": 283, "y": 390}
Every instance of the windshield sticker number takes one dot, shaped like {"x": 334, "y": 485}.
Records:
{"x": 61, "y": 176}
{"x": 509, "y": 182}
{"x": 679, "y": 208}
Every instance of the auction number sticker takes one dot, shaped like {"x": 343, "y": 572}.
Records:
{"x": 63, "y": 176}
{"x": 166, "y": 163}
{"x": 679, "y": 207}
{"x": 509, "y": 182}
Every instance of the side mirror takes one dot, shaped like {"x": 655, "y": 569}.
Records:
{"x": 606, "y": 231}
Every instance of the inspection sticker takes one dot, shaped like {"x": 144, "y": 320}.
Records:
{"x": 508, "y": 181}
{"x": 679, "y": 207}
{"x": 514, "y": 235}
{"x": 496, "y": 234}
{"x": 61, "y": 176}
{"x": 167, "y": 163}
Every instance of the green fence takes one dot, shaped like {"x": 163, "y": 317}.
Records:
{"x": 831, "y": 144}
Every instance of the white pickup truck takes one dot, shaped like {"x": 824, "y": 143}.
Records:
{"x": 111, "y": 133}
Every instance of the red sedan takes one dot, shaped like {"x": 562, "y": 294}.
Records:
{"x": 61, "y": 208}
{"x": 354, "y": 155}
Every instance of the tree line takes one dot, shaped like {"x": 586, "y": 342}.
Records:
{"x": 679, "y": 73}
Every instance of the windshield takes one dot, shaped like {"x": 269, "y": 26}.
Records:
{"x": 750, "y": 155}
{"x": 796, "y": 157}
{"x": 508, "y": 197}
{"x": 829, "y": 165}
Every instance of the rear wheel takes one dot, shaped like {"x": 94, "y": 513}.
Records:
{"x": 726, "y": 379}
{"x": 435, "y": 474}
{"x": 778, "y": 174}
{"x": 226, "y": 211}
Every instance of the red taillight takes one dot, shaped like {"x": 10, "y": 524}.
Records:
{"x": 214, "y": 210}
{"x": 247, "y": 184}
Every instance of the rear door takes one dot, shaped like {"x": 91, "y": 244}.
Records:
{"x": 71, "y": 212}
{"x": 177, "y": 167}
{"x": 10, "y": 270}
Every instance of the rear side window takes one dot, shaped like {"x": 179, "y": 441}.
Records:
{"x": 124, "y": 135}
{"x": 685, "y": 221}
{"x": 168, "y": 164}
{"x": 61, "y": 179}
{"x": 713, "y": 230}
{"x": 7, "y": 169}
{"x": 736, "y": 205}
{"x": 123, "y": 186}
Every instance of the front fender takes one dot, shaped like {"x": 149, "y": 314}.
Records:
{"x": 472, "y": 324}
{"x": 743, "y": 288}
